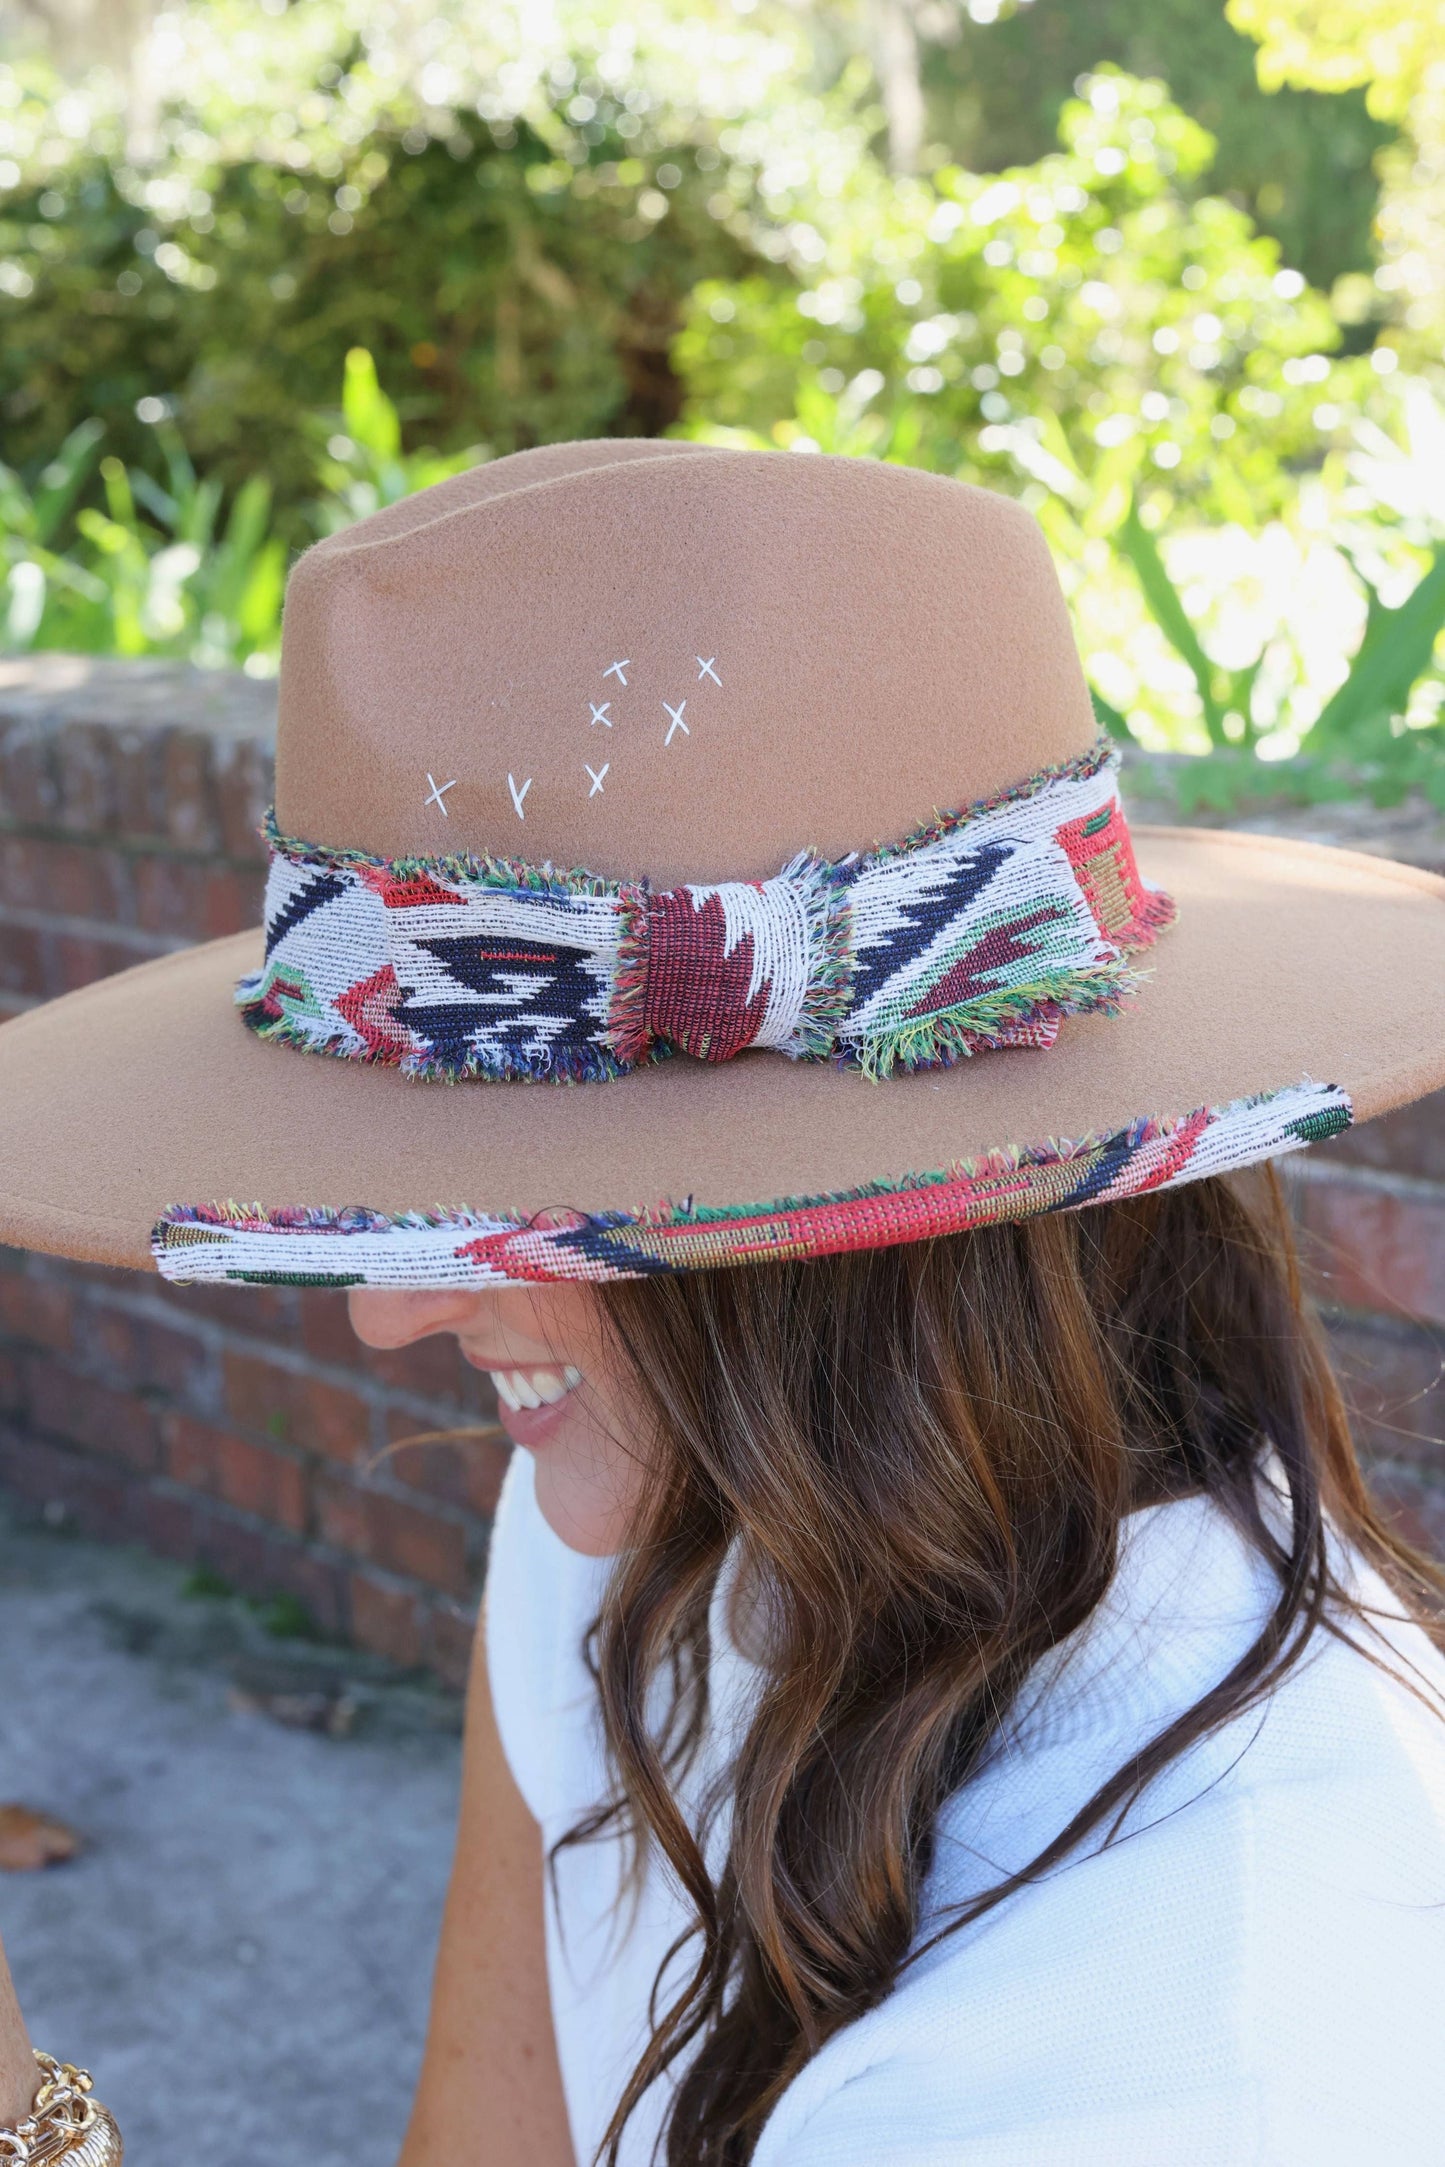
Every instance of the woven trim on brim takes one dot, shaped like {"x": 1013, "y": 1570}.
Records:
{"x": 983, "y": 929}
{"x": 463, "y": 1248}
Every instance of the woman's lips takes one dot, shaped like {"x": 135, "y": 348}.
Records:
{"x": 531, "y": 1404}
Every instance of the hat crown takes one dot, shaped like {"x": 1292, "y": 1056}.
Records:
{"x": 670, "y": 661}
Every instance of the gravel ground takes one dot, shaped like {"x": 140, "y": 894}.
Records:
{"x": 241, "y": 1950}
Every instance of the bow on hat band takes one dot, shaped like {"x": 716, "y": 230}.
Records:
{"x": 983, "y": 929}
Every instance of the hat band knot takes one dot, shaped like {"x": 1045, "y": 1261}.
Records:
{"x": 983, "y": 929}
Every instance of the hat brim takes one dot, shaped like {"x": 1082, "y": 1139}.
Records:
{"x": 145, "y": 1090}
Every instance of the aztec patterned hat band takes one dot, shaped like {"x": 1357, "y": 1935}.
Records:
{"x": 982, "y": 930}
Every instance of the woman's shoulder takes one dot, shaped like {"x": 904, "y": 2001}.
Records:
{"x": 541, "y": 1598}
{"x": 1254, "y": 1976}
{"x": 1250, "y": 1970}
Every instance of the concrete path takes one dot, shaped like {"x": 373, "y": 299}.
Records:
{"x": 242, "y": 1951}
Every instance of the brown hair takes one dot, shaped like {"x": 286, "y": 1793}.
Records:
{"x": 924, "y": 1455}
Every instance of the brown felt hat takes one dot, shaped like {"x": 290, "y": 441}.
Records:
{"x": 684, "y": 670}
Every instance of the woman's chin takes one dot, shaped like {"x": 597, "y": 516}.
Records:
{"x": 578, "y": 1511}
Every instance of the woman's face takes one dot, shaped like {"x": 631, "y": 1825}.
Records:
{"x": 559, "y": 1394}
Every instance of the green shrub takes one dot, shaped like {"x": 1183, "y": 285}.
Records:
{"x": 520, "y": 229}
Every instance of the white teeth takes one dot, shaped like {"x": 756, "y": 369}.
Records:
{"x": 552, "y": 1385}
{"x": 534, "y": 1388}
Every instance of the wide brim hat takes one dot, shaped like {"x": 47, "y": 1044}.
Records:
{"x": 687, "y": 857}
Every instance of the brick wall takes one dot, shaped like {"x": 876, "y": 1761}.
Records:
{"x": 1371, "y": 1207}
{"x": 245, "y": 1429}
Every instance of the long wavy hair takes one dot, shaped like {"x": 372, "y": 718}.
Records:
{"x": 924, "y": 1455}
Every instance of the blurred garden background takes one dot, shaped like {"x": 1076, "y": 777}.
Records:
{"x": 1173, "y": 271}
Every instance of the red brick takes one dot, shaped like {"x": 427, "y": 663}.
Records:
{"x": 252, "y": 1477}
{"x": 234, "y": 900}
{"x": 263, "y": 1311}
{"x": 1411, "y": 1141}
{"x": 319, "y": 1584}
{"x": 431, "y": 1368}
{"x": 76, "y": 959}
{"x": 1394, "y": 1384}
{"x": 295, "y": 1408}
{"x": 143, "y": 1353}
{"x": 1413, "y": 1503}
{"x": 29, "y": 789}
{"x": 137, "y": 786}
{"x": 75, "y": 880}
{"x": 465, "y": 1471}
{"x": 167, "y": 1523}
{"x": 99, "y": 1500}
{"x": 22, "y": 958}
{"x": 91, "y": 1414}
{"x": 261, "y": 1564}
{"x": 391, "y": 1532}
{"x": 386, "y": 1618}
{"x": 168, "y": 893}
{"x": 186, "y": 779}
{"x": 20, "y": 883}
{"x": 450, "y": 1637}
{"x": 1377, "y": 1249}
{"x": 325, "y": 1333}
{"x": 185, "y": 896}
{"x": 36, "y": 1310}
{"x": 110, "y": 1278}
{"x": 84, "y": 759}
{"x": 243, "y": 789}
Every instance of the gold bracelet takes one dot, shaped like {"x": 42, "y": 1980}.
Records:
{"x": 64, "y": 2123}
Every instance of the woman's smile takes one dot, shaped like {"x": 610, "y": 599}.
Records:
{"x": 532, "y": 1404}
{"x": 560, "y": 1392}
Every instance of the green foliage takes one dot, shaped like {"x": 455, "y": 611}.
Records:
{"x": 361, "y": 465}
{"x": 158, "y": 570}
{"x": 282, "y": 1616}
{"x": 1301, "y": 164}
{"x": 518, "y": 277}
{"x": 1358, "y": 738}
{"x": 285, "y": 1617}
{"x": 354, "y": 255}
{"x": 165, "y": 568}
{"x": 1102, "y": 290}
{"x": 203, "y": 1584}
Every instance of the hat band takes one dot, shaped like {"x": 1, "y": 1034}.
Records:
{"x": 983, "y": 929}
{"x": 361, "y": 1247}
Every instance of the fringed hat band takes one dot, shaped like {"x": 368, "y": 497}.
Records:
{"x": 222, "y": 1243}
{"x": 983, "y": 929}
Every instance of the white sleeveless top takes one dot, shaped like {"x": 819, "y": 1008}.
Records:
{"x": 1255, "y": 1974}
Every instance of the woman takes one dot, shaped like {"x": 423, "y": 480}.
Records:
{"x": 947, "y": 1696}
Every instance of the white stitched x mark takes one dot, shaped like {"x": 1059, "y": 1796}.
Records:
{"x": 518, "y": 795}
{"x": 615, "y": 669}
{"x": 600, "y": 714}
{"x": 597, "y": 775}
{"x": 677, "y": 722}
{"x": 705, "y": 669}
{"x": 436, "y": 793}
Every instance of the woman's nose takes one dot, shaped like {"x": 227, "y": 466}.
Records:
{"x": 386, "y": 1317}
